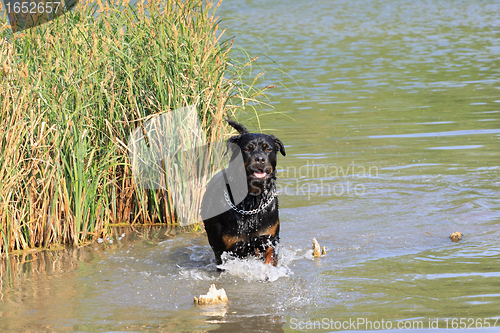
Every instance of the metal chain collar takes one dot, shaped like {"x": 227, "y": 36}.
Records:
{"x": 250, "y": 212}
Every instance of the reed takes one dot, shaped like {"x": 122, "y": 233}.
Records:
{"x": 72, "y": 91}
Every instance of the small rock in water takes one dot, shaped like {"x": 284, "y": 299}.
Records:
{"x": 214, "y": 296}
{"x": 456, "y": 236}
{"x": 316, "y": 248}
{"x": 323, "y": 250}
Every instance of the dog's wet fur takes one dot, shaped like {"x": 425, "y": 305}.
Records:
{"x": 256, "y": 234}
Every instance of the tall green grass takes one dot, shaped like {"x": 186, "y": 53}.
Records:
{"x": 72, "y": 91}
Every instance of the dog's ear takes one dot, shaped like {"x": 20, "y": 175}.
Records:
{"x": 234, "y": 139}
{"x": 237, "y": 126}
{"x": 279, "y": 145}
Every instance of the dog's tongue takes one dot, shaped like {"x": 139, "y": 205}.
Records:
{"x": 260, "y": 174}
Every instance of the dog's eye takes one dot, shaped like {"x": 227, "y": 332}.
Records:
{"x": 249, "y": 148}
{"x": 266, "y": 148}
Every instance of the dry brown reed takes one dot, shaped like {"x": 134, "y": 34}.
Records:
{"x": 72, "y": 91}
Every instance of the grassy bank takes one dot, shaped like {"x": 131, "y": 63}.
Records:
{"x": 72, "y": 91}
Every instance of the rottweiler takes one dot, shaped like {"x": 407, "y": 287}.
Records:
{"x": 251, "y": 227}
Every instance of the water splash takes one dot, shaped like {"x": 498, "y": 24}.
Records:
{"x": 254, "y": 269}
{"x": 250, "y": 268}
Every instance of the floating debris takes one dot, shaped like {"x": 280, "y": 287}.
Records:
{"x": 214, "y": 296}
{"x": 316, "y": 248}
{"x": 456, "y": 236}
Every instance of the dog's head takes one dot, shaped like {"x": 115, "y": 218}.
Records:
{"x": 259, "y": 153}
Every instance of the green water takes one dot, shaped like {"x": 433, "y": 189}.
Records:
{"x": 390, "y": 114}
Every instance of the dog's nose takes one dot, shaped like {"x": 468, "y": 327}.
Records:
{"x": 260, "y": 159}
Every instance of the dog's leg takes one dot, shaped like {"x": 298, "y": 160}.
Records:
{"x": 218, "y": 259}
{"x": 270, "y": 257}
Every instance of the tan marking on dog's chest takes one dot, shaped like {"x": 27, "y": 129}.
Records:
{"x": 229, "y": 241}
{"x": 270, "y": 230}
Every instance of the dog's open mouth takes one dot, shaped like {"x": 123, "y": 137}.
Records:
{"x": 260, "y": 175}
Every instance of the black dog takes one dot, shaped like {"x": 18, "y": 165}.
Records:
{"x": 252, "y": 226}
